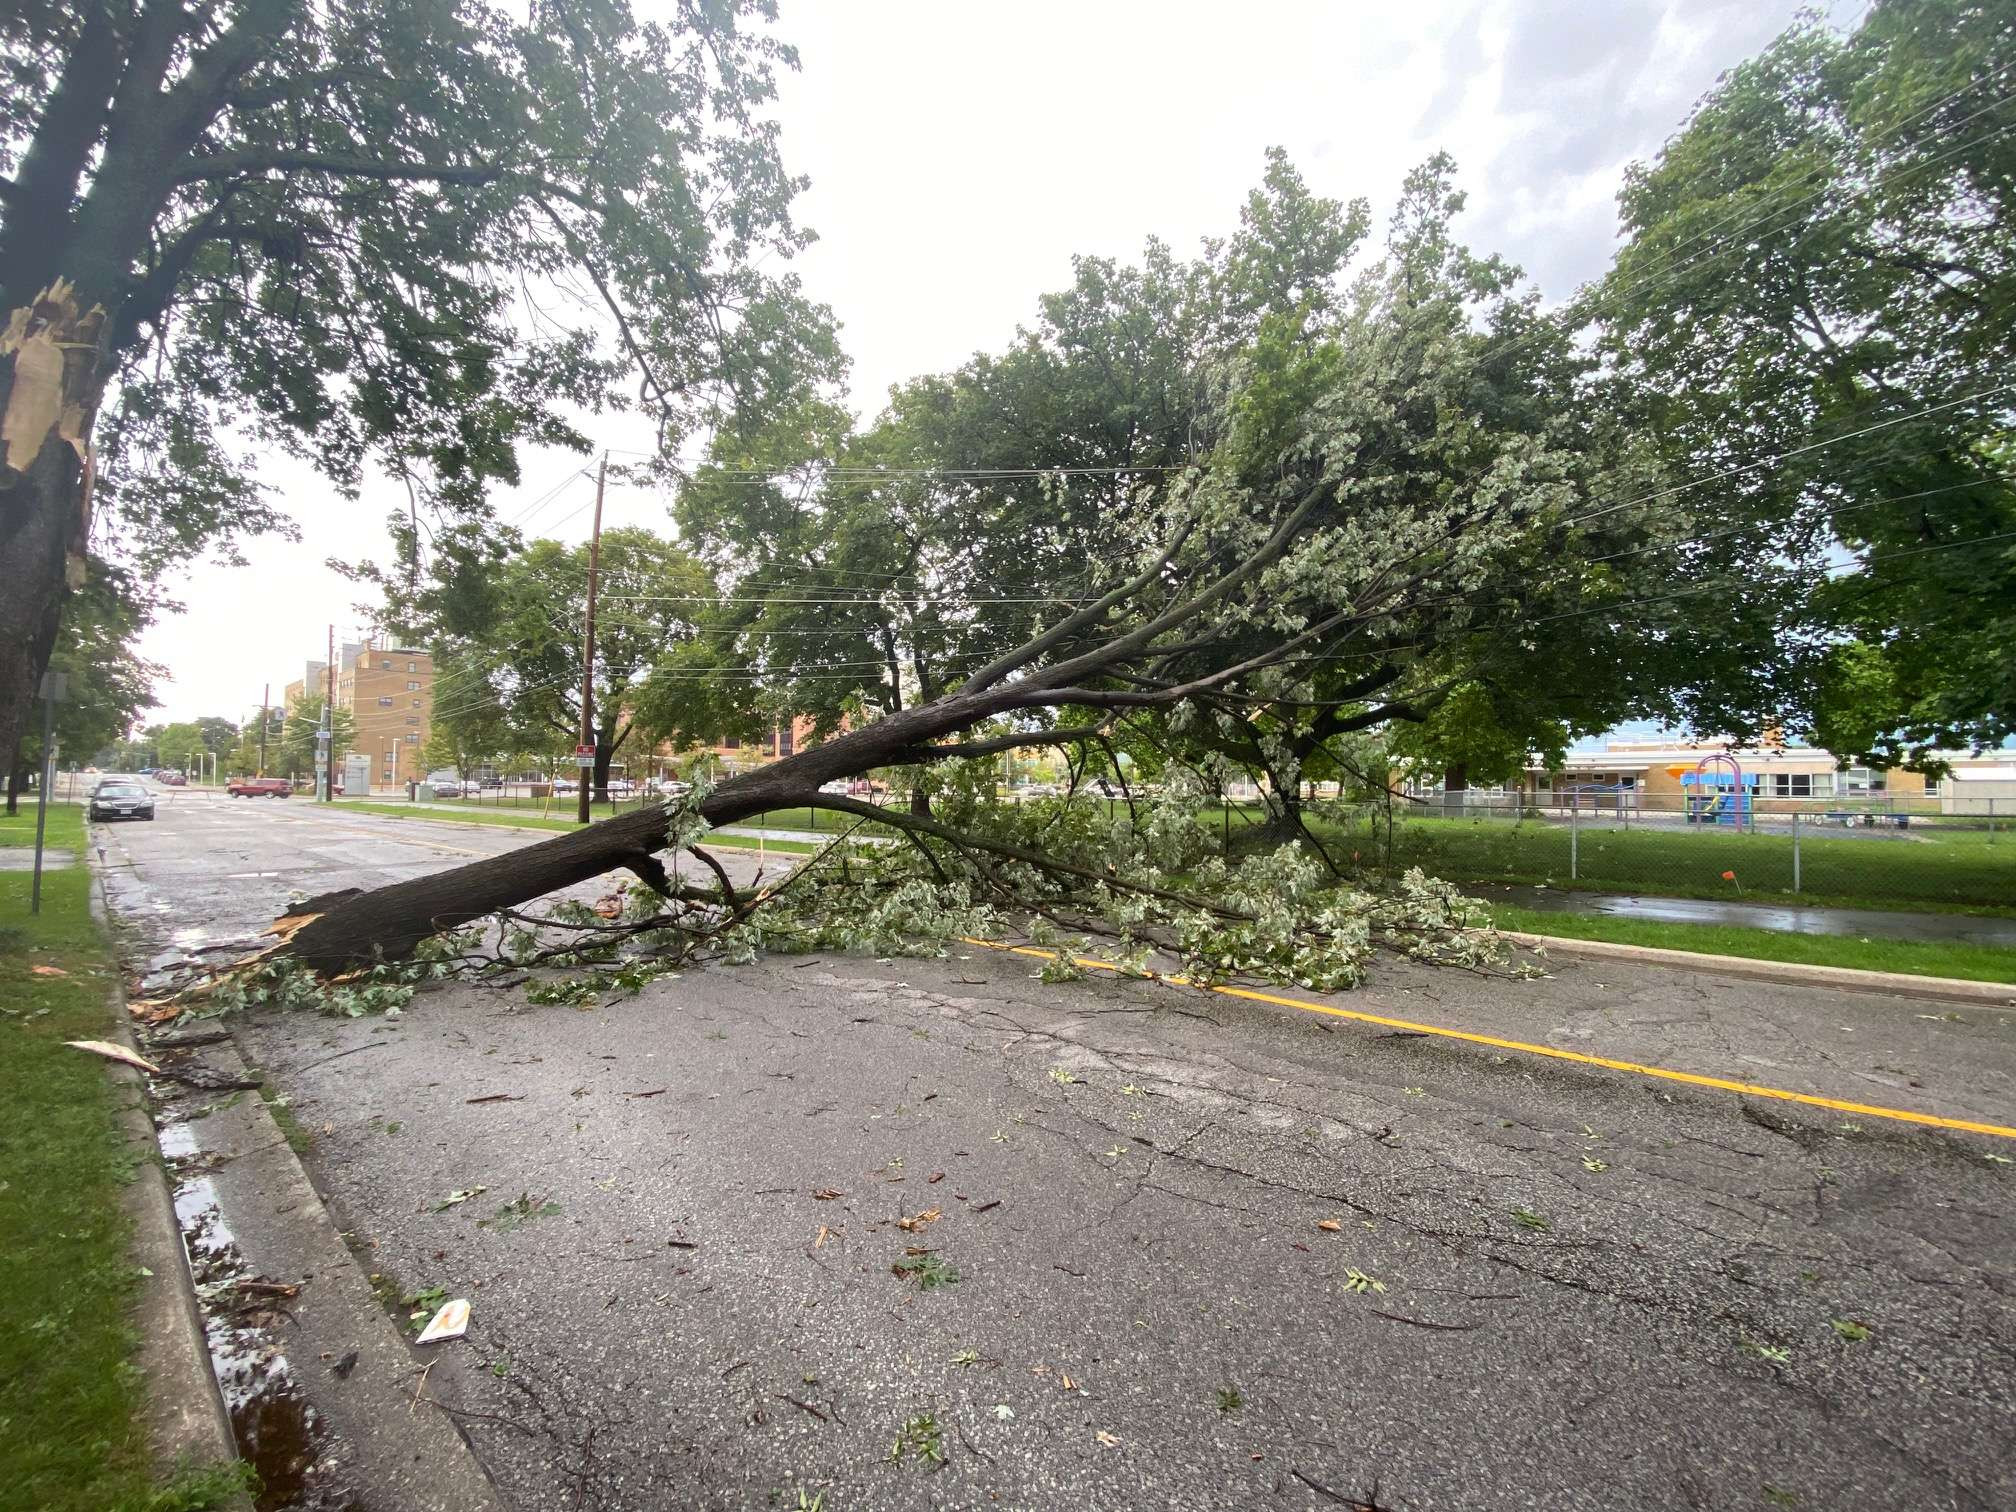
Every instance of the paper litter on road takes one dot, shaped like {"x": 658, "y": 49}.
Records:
{"x": 451, "y": 1322}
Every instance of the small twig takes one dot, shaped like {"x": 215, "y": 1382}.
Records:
{"x": 802, "y": 1406}
{"x": 1425, "y": 1323}
{"x": 418, "y": 1386}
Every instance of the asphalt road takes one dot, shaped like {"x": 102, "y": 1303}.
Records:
{"x": 1209, "y": 1253}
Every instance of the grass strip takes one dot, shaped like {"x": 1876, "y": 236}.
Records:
{"x": 1930, "y": 866}
{"x": 71, "y": 1434}
{"x": 65, "y": 830}
{"x": 1945, "y": 958}
{"x": 725, "y": 839}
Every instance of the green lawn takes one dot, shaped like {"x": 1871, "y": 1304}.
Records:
{"x": 1985, "y": 963}
{"x": 1926, "y": 868}
{"x": 65, "y": 828}
{"x": 70, "y": 1435}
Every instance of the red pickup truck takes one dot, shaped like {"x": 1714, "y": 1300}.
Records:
{"x": 260, "y": 787}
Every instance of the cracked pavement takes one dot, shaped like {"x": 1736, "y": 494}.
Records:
{"x": 1210, "y": 1253}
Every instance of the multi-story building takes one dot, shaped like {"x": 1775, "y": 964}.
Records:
{"x": 313, "y": 683}
{"x": 389, "y": 692}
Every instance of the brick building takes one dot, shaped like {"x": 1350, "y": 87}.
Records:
{"x": 390, "y": 695}
{"x": 785, "y": 738}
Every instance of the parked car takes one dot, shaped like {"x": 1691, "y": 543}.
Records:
{"x": 259, "y": 787}
{"x": 564, "y": 787}
{"x": 171, "y": 779}
{"x": 121, "y": 800}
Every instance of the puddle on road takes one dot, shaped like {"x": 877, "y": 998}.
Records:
{"x": 278, "y": 1432}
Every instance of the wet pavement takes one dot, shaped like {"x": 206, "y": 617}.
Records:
{"x": 898, "y": 1234}
{"x": 1785, "y": 918}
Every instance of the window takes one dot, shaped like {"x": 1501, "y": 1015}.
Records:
{"x": 412, "y": 666}
{"x": 385, "y": 666}
{"x": 412, "y": 719}
{"x": 731, "y": 744}
{"x": 411, "y": 686}
{"x": 386, "y": 775}
{"x": 413, "y": 739}
{"x": 1860, "y": 781}
{"x": 416, "y": 703}
{"x": 1801, "y": 784}
{"x": 785, "y": 740}
{"x": 384, "y": 703}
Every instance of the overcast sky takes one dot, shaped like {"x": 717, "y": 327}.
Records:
{"x": 961, "y": 153}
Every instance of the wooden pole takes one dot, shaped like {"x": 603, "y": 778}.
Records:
{"x": 587, "y": 773}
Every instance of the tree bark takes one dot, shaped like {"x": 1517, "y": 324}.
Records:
{"x": 52, "y": 375}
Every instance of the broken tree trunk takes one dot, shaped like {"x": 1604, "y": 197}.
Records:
{"x": 354, "y": 927}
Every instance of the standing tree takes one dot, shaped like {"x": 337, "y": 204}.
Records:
{"x": 509, "y": 638}
{"x": 107, "y": 684}
{"x": 1818, "y": 302}
{"x": 425, "y": 233}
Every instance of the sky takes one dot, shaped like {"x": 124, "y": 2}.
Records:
{"x": 961, "y": 154}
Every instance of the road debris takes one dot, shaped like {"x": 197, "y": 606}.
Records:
{"x": 118, "y": 1053}
{"x": 451, "y": 1322}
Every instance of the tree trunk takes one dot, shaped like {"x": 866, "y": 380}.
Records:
{"x": 51, "y": 366}
{"x": 354, "y": 928}
{"x": 600, "y": 771}
{"x": 17, "y": 779}
{"x": 1456, "y": 790}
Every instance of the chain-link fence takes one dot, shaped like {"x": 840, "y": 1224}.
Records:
{"x": 1715, "y": 845}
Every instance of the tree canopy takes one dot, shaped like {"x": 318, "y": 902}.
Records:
{"x": 420, "y": 235}
{"x": 1815, "y": 307}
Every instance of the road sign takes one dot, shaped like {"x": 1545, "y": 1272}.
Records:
{"x": 584, "y": 750}
{"x": 584, "y": 761}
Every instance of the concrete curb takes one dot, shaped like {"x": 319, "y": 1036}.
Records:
{"x": 415, "y": 1462}
{"x": 1846, "y": 978}
{"x": 186, "y": 1420}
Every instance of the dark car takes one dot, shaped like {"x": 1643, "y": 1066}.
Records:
{"x": 260, "y": 787}
{"x": 121, "y": 800}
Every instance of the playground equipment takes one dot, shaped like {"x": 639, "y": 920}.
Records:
{"x": 1718, "y": 796}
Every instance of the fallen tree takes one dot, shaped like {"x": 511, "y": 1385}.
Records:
{"x": 1252, "y": 589}
{"x": 1387, "y": 500}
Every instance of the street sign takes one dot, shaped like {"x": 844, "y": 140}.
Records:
{"x": 584, "y": 761}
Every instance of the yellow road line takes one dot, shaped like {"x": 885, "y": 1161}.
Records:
{"x": 1720, "y": 1084}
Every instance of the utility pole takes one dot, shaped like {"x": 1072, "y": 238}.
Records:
{"x": 325, "y": 746}
{"x": 265, "y": 702}
{"x": 586, "y": 745}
